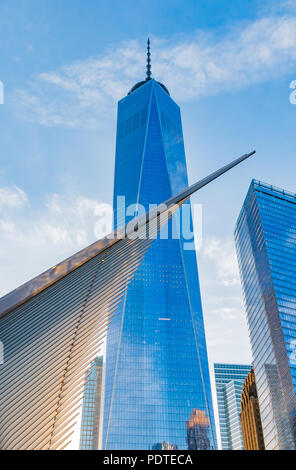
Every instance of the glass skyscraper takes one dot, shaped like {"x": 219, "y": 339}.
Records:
{"x": 266, "y": 246}
{"x": 91, "y": 407}
{"x": 229, "y": 379}
{"x": 156, "y": 361}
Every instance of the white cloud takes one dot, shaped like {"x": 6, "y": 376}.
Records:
{"x": 228, "y": 313}
{"x": 7, "y": 227}
{"x": 32, "y": 240}
{"x": 12, "y": 197}
{"x": 84, "y": 93}
{"x": 224, "y": 261}
{"x": 224, "y": 312}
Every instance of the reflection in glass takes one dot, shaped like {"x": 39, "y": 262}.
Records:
{"x": 156, "y": 358}
{"x": 164, "y": 446}
{"x": 266, "y": 247}
{"x": 198, "y": 431}
{"x": 91, "y": 407}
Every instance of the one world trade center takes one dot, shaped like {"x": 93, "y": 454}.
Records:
{"x": 157, "y": 385}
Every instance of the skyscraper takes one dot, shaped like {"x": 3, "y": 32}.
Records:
{"x": 250, "y": 415}
{"x": 51, "y": 328}
{"x": 53, "y": 324}
{"x": 265, "y": 237}
{"x": 91, "y": 407}
{"x": 229, "y": 380}
{"x": 156, "y": 362}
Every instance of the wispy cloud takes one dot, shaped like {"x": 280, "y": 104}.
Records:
{"x": 12, "y": 197}
{"x": 64, "y": 224}
{"x": 229, "y": 313}
{"x": 84, "y": 93}
{"x": 224, "y": 263}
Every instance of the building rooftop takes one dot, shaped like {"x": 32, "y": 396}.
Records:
{"x": 267, "y": 189}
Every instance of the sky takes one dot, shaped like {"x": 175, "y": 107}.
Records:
{"x": 65, "y": 64}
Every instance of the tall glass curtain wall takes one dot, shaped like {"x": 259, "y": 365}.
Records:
{"x": 156, "y": 363}
{"x": 266, "y": 246}
{"x": 229, "y": 379}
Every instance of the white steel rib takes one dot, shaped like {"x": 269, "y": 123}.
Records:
{"x": 52, "y": 328}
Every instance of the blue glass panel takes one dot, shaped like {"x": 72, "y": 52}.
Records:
{"x": 266, "y": 247}
{"x": 229, "y": 380}
{"x": 157, "y": 388}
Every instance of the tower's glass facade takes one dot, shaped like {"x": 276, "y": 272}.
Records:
{"x": 156, "y": 361}
{"x": 91, "y": 407}
{"x": 229, "y": 380}
{"x": 266, "y": 246}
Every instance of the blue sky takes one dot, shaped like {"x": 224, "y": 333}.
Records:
{"x": 65, "y": 64}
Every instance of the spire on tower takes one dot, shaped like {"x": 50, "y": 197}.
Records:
{"x": 148, "y": 67}
{"x": 148, "y": 73}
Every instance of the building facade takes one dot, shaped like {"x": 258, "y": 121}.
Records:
{"x": 91, "y": 407}
{"x": 265, "y": 236}
{"x": 229, "y": 379}
{"x": 156, "y": 362}
{"x": 198, "y": 431}
{"x": 54, "y": 325}
{"x": 250, "y": 415}
{"x": 164, "y": 446}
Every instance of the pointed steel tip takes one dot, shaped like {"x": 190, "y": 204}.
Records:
{"x": 247, "y": 155}
{"x": 148, "y": 66}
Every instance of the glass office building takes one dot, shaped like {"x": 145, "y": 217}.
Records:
{"x": 91, "y": 407}
{"x": 229, "y": 379}
{"x": 266, "y": 246}
{"x": 156, "y": 361}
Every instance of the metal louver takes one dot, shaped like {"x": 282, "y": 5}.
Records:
{"x": 52, "y": 328}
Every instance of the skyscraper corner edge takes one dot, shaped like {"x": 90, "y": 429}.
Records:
{"x": 265, "y": 245}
